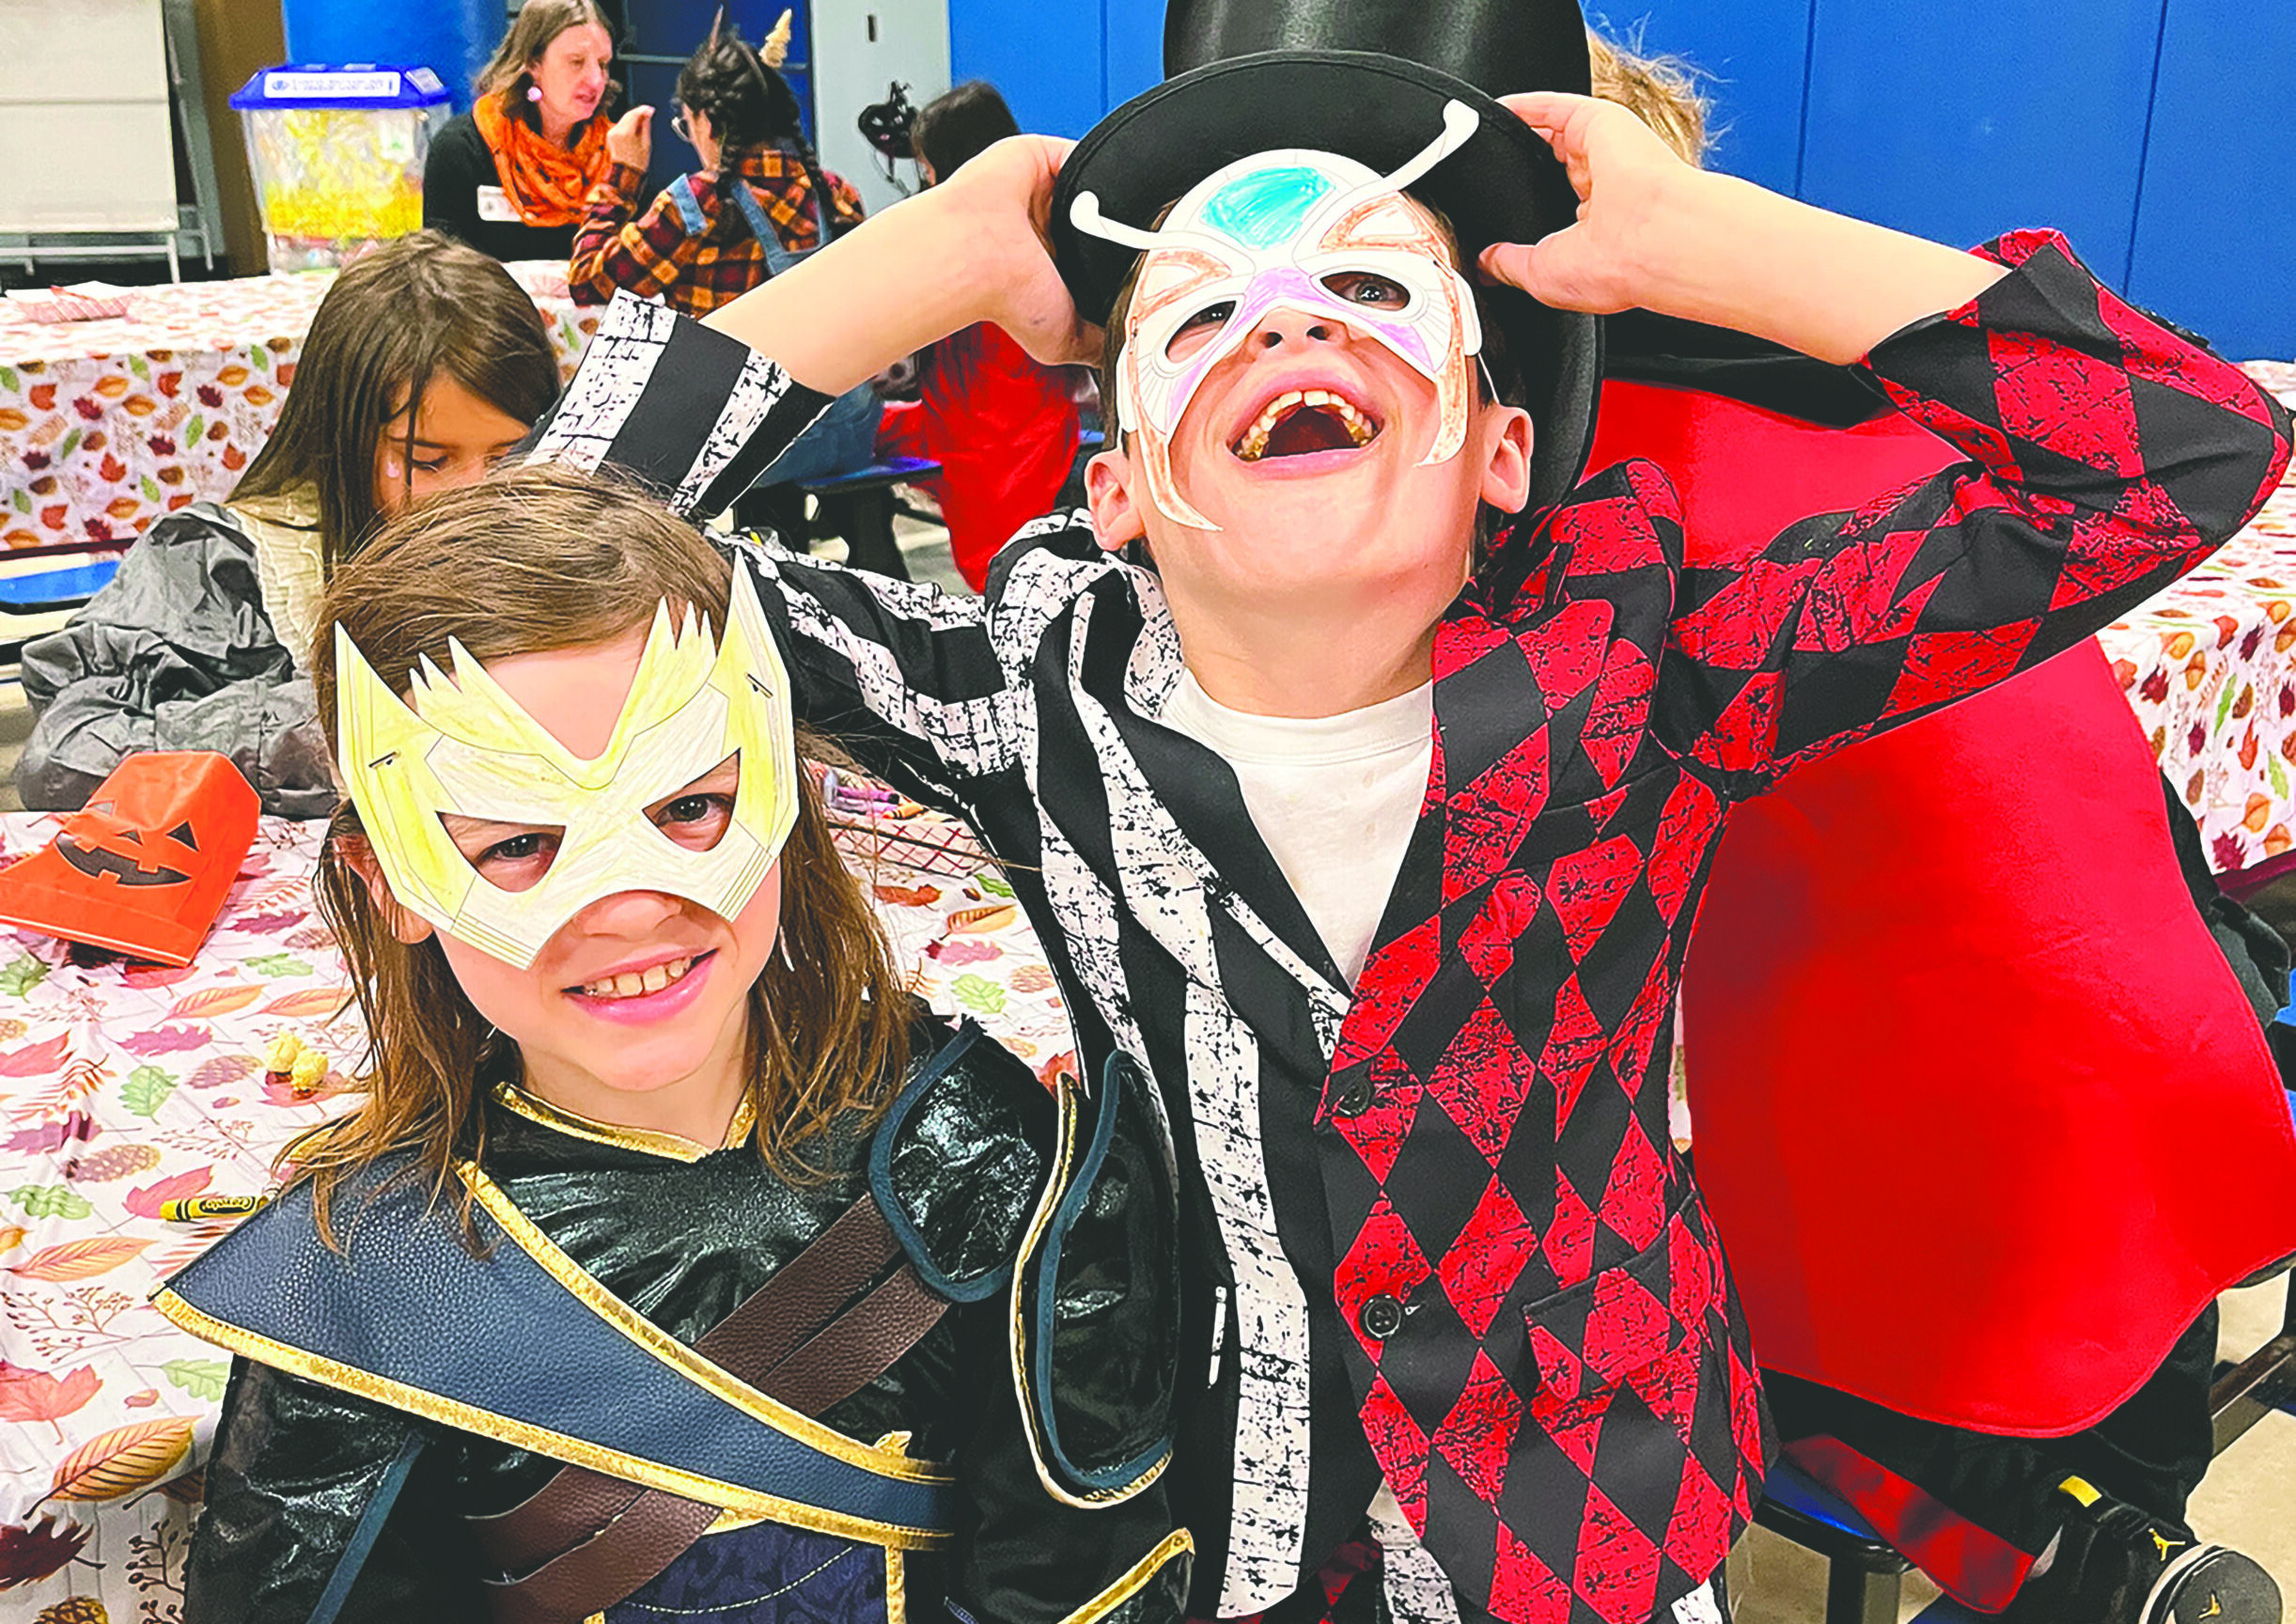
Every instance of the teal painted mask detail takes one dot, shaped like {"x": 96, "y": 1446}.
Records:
{"x": 1263, "y": 209}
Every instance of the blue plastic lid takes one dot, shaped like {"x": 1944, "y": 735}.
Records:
{"x": 355, "y": 85}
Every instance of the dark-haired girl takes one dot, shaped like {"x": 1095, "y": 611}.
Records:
{"x": 760, "y": 200}
{"x": 424, "y": 363}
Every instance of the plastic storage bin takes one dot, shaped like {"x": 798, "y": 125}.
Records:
{"x": 338, "y": 156}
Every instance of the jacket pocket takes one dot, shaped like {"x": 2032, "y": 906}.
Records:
{"x": 1652, "y": 1324}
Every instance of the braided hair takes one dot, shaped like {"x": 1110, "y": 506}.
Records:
{"x": 749, "y": 105}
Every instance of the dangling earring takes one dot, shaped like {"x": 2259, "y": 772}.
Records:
{"x": 787, "y": 962}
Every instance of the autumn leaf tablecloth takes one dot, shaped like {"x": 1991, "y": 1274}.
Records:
{"x": 2209, "y": 668}
{"x": 124, "y": 1086}
{"x": 106, "y": 426}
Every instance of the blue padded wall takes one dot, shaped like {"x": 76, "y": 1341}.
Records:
{"x": 1753, "y": 56}
{"x": 1958, "y": 119}
{"x": 2215, "y": 237}
{"x": 2153, "y": 133}
{"x": 1133, "y": 58}
{"x": 1045, "y": 58}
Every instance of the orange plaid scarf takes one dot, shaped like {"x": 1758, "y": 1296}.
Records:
{"x": 545, "y": 182}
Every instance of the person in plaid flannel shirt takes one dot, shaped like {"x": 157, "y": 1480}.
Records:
{"x": 1461, "y": 1342}
{"x": 711, "y": 236}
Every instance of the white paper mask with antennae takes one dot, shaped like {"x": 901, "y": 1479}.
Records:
{"x": 462, "y": 744}
{"x": 1277, "y": 231}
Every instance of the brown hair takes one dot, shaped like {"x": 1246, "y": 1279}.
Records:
{"x": 1662, "y": 91}
{"x": 414, "y": 308}
{"x": 530, "y": 560}
{"x": 511, "y": 71}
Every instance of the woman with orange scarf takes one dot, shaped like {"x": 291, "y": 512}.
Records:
{"x": 508, "y": 176}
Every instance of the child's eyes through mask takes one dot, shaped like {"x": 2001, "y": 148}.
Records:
{"x": 1199, "y": 327}
{"x": 1369, "y": 290}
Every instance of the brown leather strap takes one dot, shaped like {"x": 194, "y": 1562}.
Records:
{"x": 803, "y": 1294}
{"x": 585, "y": 1541}
{"x": 748, "y": 1344}
{"x": 615, "y": 1561}
{"x": 856, "y": 1348}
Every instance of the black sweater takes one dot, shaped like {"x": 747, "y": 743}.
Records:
{"x": 461, "y": 161}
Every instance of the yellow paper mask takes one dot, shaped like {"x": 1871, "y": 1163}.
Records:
{"x": 462, "y": 744}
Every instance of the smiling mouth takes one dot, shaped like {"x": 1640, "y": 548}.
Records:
{"x": 641, "y": 983}
{"x": 1301, "y": 421}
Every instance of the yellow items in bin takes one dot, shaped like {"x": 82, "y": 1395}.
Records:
{"x": 338, "y": 156}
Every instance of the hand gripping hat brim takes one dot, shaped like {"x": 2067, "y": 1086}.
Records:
{"x": 1504, "y": 185}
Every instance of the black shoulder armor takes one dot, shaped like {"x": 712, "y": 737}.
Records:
{"x": 1096, "y": 1308}
{"x": 959, "y": 1159}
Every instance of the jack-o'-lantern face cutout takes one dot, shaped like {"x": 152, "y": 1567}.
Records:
{"x": 143, "y": 868}
{"x": 99, "y": 842}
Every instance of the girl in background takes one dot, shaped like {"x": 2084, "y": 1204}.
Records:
{"x": 508, "y": 176}
{"x": 1002, "y": 426}
{"x": 758, "y": 202}
{"x": 422, "y": 364}
{"x": 666, "y": 1269}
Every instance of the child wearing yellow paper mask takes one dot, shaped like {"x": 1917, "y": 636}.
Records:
{"x": 675, "y": 1261}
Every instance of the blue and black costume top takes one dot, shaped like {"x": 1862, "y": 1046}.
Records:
{"x": 398, "y": 1401}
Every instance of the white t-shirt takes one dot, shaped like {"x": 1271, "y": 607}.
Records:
{"x": 1334, "y": 798}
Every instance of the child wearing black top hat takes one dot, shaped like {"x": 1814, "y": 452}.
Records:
{"x": 1369, "y": 820}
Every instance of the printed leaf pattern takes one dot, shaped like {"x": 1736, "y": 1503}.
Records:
{"x": 279, "y": 964}
{"x": 170, "y": 1039}
{"x": 979, "y": 994}
{"x": 122, "y": 1461}
{"x": 50, "y": 1201}
{"x": 144, "y": 1203}
{"x": 210, "y": 1002}
{"x": 2207, "y": 669}
{"x": 28, "y": 1556}
{"x": 200, "y": 1378}
{"x": 36, "y": 1396}
{"x": 311, "y": 1002}
{"x": 79, "y": 1259}
{"x": 21, "y": 974}
{"x": 146, "y": 1090}
{"x": 36, "y": 1059}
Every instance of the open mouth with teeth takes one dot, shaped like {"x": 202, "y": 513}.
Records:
{"x": 616, "y": 989}
{"x": 1300, "y": 421}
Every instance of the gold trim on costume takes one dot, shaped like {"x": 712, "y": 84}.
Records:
{"x": 1063, "y": 1171}
{"x": 539, "y": 1439}
{"x": 1179, "y": 1542}
{"x": 896, "y": 1588}
{"x": 712, "y": 1378}
{"x": 645, "y": 1140}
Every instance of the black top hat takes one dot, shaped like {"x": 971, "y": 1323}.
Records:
{"x": 1367, "y": 80}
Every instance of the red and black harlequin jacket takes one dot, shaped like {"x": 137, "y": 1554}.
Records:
{"x": 1434, "y": 1230}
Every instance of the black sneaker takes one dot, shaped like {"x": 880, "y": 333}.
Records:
{"x": 2114, "y": 1564}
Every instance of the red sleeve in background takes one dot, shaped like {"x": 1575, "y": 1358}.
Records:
{"x": 1981, "y": 1111}
{"x": 1003, "y": 429}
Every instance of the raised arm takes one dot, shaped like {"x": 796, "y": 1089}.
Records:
{"x": 2106, "y": 453}
{"x": 909, "y": 680}
{"x": 969, "y": 250}
{"x": 1659, "y": 234}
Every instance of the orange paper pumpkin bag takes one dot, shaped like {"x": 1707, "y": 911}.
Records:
{"x": 143, "y": 868}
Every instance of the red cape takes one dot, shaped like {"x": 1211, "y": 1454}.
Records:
{"x": 1984, "y": 1117}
